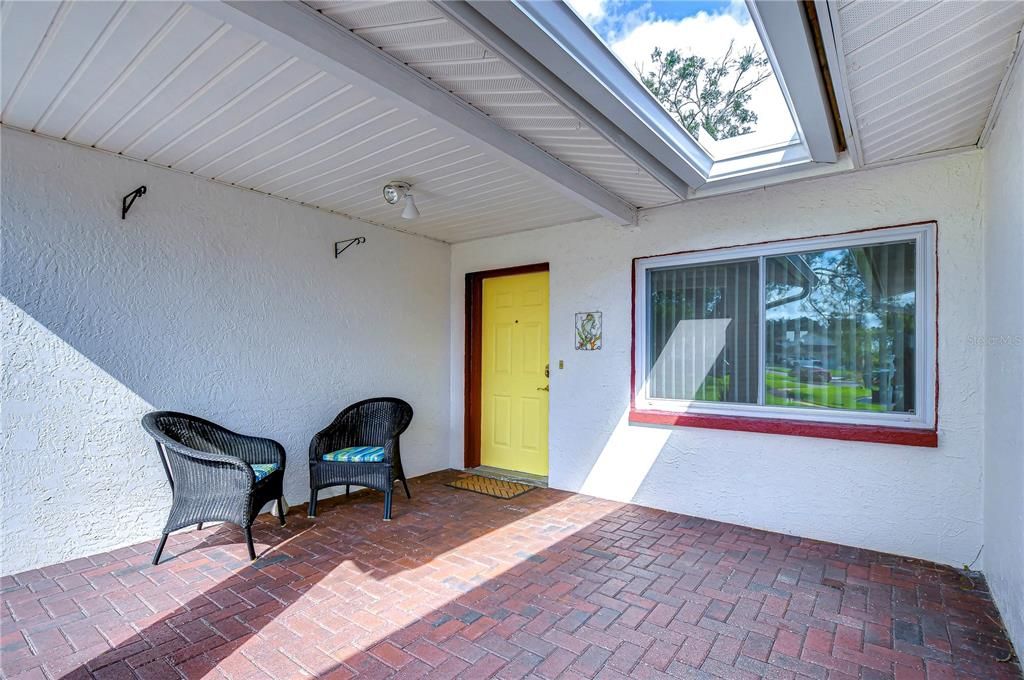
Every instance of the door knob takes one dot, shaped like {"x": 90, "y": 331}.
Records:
{"x": 544, "y": 389}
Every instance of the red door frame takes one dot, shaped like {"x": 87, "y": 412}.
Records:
{"x": 474, "y": 348}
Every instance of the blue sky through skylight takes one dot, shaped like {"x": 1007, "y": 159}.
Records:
{"x": 633, "y": 28}
{"x": 614, "y": 19}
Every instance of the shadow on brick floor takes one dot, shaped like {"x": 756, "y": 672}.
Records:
{"x": 640, "y": 593}
{"x": 115, "y": 615}
{"x": 547, "y": 585}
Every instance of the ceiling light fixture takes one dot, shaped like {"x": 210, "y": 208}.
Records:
{"x": 410, "y": 212}
{"x": 397, "y": 191}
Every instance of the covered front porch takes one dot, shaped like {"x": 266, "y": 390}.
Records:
{"x": 744, "y": 319}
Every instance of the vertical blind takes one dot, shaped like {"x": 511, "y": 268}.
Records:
{"x": 703, "y": 332}
{"x": 839, "y": 330}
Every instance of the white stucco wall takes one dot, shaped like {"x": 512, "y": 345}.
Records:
{"x": 1003, "y": 351}
{"x": 922, "y": 502}
{"x": 207, "y": 299}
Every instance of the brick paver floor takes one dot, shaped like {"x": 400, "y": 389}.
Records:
{"x": 546, "y": 585}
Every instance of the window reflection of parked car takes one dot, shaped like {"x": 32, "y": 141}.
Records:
{"x": 811, "y": 372}
{"x": 793, "y": 363}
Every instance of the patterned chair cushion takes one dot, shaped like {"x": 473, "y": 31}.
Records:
{"x": 356, "y": 454}
{"x": 262, "y": 470}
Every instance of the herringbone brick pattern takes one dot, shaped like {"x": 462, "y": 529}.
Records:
{"x": 547, "y": 585}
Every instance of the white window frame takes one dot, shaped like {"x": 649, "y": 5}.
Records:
{"x": 924, "y": 236}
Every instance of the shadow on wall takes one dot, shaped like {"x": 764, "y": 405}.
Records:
{"x": 205, "y": 300}
{"x": 74, "y": 463}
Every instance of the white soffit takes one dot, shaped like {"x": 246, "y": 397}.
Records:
{"x": 921, "y": 76}
{"x": 423, "y": 37}
{"x": 167, "y": 83}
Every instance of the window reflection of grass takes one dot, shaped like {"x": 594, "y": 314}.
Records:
{"x": 784, "y": 390}
{"x": 713, "y": 389}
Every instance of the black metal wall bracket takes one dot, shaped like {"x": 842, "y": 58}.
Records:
{"x": 129, "y": 200}
{"x": 339, "y": 248}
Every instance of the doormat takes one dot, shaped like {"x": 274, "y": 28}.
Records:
{"x": 498, "y": 488}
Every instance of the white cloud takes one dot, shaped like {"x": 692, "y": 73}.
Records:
{"x": 590, "y": 11}
{"x": 708, "y": 35}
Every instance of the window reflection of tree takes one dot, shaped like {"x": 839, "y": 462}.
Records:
{"x": 852, "y": 310}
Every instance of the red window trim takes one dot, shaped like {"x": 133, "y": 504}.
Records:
{"x": 795, "y": 428}
{"x": 926, "y": 437}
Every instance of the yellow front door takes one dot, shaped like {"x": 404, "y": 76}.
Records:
{"x": 514, "y": 384}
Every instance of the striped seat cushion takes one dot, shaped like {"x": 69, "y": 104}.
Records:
{"x": 356, "y": 454}
{"x": 262, "y": 470}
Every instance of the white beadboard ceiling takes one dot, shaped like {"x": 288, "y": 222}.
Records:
{"x": 421, "y": 36}
{"x": 922, "y": 76}
{"x": 166, "y": 83}
{"x": 171, "y": 84}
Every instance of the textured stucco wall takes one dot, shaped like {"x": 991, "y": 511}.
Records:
{"x": 1003, "y": 351}
{"x": 914, "y": 501}
{"x": 206, "y": 299}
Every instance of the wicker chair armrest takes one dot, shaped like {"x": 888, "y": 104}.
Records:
{"x": 257, "y": 450}
{"x": 223, "y": 466}
{"x": 328, "y": 440}
{"x": 390, "y": 449}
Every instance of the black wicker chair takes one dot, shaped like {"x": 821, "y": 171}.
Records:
{"x": 215, "y": 474}
{"x": 361, "y": 448}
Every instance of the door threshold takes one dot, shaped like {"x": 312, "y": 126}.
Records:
{"x": 510, "y": 475}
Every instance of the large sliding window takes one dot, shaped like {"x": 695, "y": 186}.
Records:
{"x": 835, "y": 329}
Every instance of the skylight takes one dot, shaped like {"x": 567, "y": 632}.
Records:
{"x": 592, "y": 54}
{"x": 655, "y": 41}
